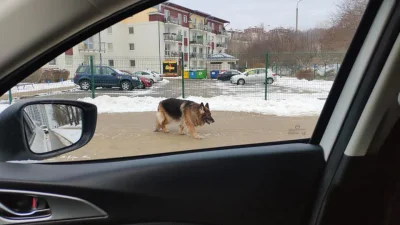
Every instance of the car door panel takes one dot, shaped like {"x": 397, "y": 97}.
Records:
{"x": 111, "y": 80}
{"x": 210, "y": 187}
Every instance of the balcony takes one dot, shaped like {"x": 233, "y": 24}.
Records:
{"x": 198, "y": 27}
{"x": 197, "y": 40}
{"x": 196, "y": 55}
{"x": 222, "y": 33}
{"x": 208, "y": 29}
{"x": 173, "y": 21}
{"x": 171, "y": 54}
{"x": 92, "y": 47}
{"x": 221, "y": 45}
{"x": 172, "y": 37}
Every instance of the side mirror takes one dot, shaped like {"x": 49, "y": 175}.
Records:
{"x": 114, "y": 74}
{"x": 42, "y": 129}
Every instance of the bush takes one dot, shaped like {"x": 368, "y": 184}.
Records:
{"x": 35, "y": 77}
{"x": 44, "y": 75}
{"x": 305, "y": 74}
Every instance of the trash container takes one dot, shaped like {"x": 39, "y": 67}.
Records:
{"x": 201, "y": 74}
{"x": 192, "y": 74}
{"x": 186, "y": 74}
{"x": 214, "y": 74}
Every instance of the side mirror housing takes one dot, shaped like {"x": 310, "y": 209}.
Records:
{"x": 46, "y": 128}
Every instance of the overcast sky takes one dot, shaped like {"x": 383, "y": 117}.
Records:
{"x": 275, "y": 13}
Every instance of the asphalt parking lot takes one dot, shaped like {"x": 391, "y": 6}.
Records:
{"x": 173, "y": 88}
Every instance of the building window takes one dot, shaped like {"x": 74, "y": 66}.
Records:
{"x": 132, "y": 62}
{"x": 186, "y": 49}
{"x": 131, "y": 30}
{"x": 111, "y": 62}
{"x": 131, "y": 46}
{"x": 194, "y": 49}
{"x": 179, "y": 19}
{"x": 220, "y": 28}
{"x": 180, "y": 48}
{"x": 109, "y": 30}
{"x": 185, "y": 33}
{"x": 52, "y": 62}
{"x": 68, "y": 60}
{"x": 184, "y": 18}
{"x": 166, "y": 13}
{"x": 212, "y": 26}
{"x": 110, "y": 47}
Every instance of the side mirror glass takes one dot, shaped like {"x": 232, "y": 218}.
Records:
{"x": 45, "y": 128}
{"x": 50, "y": 127}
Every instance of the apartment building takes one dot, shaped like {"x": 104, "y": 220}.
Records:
{"x": 153, "y": 36}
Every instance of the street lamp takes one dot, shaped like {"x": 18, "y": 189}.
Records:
{"x": 297, "y": 14}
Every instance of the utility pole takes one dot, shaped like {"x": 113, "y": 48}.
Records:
{"x": 101, "y": 58}
{"x": 297, "y": 15}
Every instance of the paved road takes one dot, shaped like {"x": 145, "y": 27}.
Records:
{"x": 53, "y": 141}
{"x": 132, "y": 134}
{"x": 173, "y": 88}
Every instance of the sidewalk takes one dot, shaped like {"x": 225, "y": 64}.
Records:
{"x": 131, "y": 134}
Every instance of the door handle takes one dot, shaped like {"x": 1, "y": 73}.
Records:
{"x": 20, "y": 206}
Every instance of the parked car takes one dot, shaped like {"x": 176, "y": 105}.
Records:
{"x": 145, "y": 82}
{"x": 156, "y": 73}
{"x": 226, "y": 75}
{"x": 45, "y": 129}
{"x": 148, "y": 74}
{"x": 106, "y": 77}
{"x": 254, "y": 76}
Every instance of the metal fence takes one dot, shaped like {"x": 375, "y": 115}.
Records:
{"x": 308, "y": 75}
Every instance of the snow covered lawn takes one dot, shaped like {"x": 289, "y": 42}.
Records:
{"x": 314, "y": 85}
{"x": 41, "y": 86}
{"x": 294, "y": 106}
{"x": 71, "y": 133}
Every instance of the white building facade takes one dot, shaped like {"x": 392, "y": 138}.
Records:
{"x": 151, "y": 37}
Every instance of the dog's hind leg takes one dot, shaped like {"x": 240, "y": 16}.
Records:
{"x": 159, "y": 121}
{"x": 181, "y": 128}
{"x": 164, "y": 126}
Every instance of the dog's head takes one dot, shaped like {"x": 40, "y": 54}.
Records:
{"x": 206, "y": 113}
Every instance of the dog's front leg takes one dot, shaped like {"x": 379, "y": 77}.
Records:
{"x": 192, "y": 132}
{"x": 181, "y": 128}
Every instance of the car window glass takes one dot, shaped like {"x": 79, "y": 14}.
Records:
{"x": 107, "y": 71}
{"x": 302, "y": 66}
{"x": 82, "y": 69}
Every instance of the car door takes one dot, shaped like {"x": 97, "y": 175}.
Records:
{"x": 110, "y": 77}
{"x": 227, "y": 75}
{"x": 260, "y": 76}
{"x": 328, "y": 178}
{"x": 98, "y": 77}
{"x": 251, "y": 76}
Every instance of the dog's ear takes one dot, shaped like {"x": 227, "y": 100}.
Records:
{"x": 207, "y": 106}
{"x": 202, "y": 105}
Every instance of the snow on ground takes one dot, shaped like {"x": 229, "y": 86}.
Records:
{"x": 41, "y": 86}
{"x": 3, "y": 107}
{"x": 69, "y": 133}
{"x": 314, "y": 85}
{"x": 294, "y": 106}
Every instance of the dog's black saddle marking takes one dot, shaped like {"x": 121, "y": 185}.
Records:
{"x": 173, "y": 107}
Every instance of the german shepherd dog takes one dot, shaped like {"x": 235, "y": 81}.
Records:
{"x": 188, "y": 113}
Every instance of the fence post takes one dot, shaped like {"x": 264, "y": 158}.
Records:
{"x": 9, "y": 96}
{"x": 183, "y": 74}
{"x": 92, "y": 75}
{"x": 266, "y": 74}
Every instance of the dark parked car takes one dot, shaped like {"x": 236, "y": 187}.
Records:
{"x": 226, "y": 75}
{"x": 106, "y": 77}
